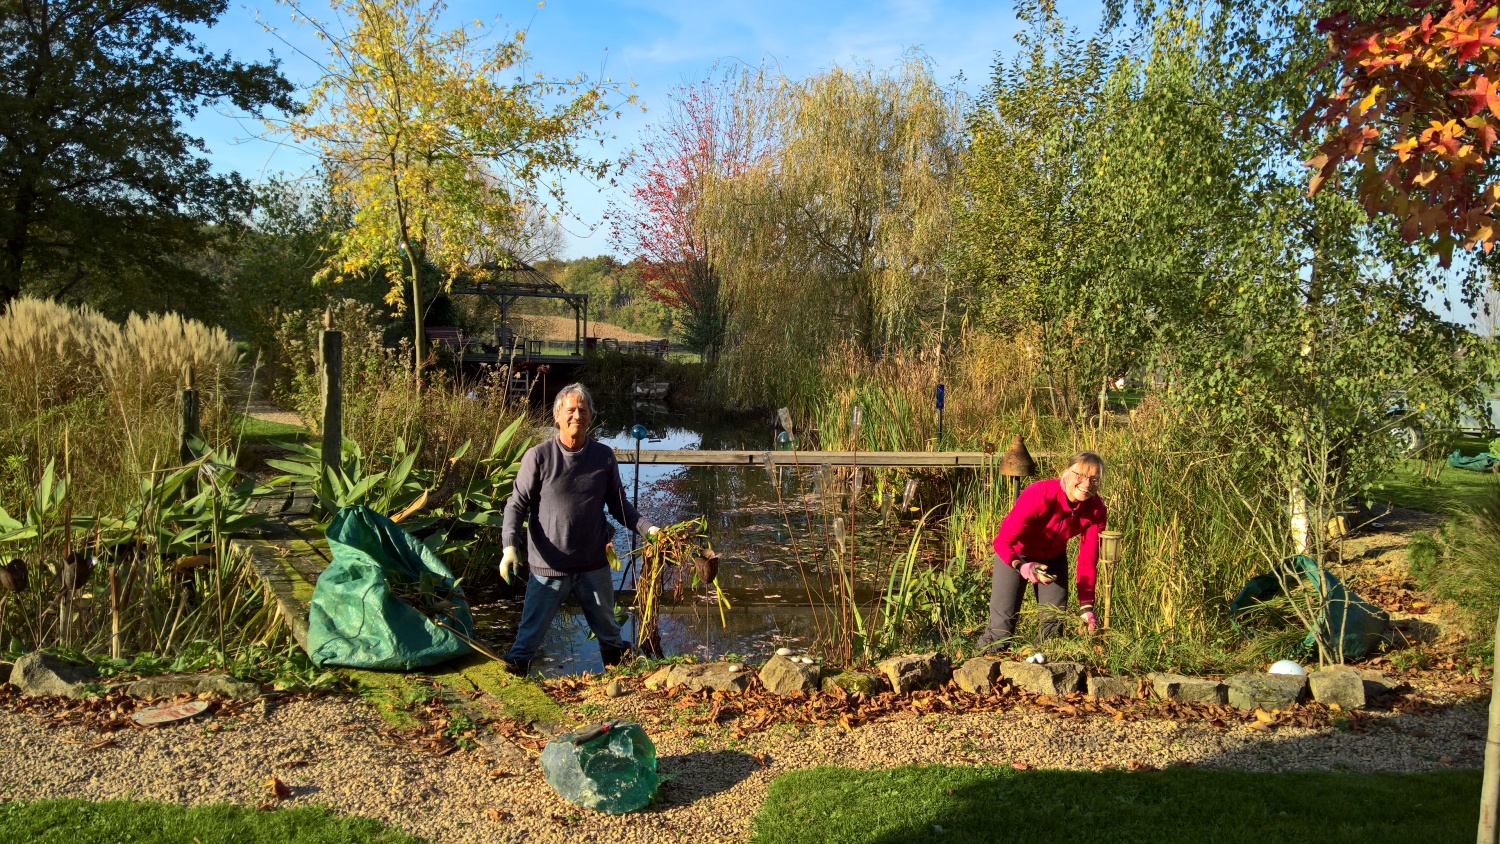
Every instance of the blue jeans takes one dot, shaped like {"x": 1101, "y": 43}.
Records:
{"x": 545, "y": 595}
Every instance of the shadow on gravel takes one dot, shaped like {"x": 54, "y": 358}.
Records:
{"x": 694, "y": 776}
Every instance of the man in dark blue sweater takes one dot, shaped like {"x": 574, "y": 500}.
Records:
{"x": 561, "y": 492}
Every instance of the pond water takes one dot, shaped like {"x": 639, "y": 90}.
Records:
{"x": 777, "y": 594}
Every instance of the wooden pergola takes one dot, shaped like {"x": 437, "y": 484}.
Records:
{"x": 506, "y": 282}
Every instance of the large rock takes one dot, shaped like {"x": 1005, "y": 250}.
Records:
{"x": 1188, "y": 689}
{"x": 714, "y": 676}
{"x": 978, "y": 675}
{"x": 852, "y": 682}
{"x": 1053, "y": 678}
{"x": 658, "y": 680}
{"x": 1341, "y": 687}
{"x": 1265, "y": 691}
{"x": 39, "y": 674}
{"x": 1376, "y": 683}
{"x": 919, "y": 671}
{"x": 171, "y": 685}
{"x": 1113, "y": 687}
{"x": 782, "y": 676}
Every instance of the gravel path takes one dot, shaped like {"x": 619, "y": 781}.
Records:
{"x": 329, "y": 752}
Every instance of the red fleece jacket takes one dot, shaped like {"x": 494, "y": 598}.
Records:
{"x": 1040, "y": 525}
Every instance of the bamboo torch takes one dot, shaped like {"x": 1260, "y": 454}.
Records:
{"x": 1109, "y": 554}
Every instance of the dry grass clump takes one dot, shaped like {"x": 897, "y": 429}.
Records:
{"x": 991, "y": 385}
{"x": 99, "y": 397}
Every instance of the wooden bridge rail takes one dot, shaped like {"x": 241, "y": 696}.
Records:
{"x": 893, "y": 459}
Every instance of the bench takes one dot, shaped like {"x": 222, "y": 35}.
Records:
{"x": 451, "y": 336}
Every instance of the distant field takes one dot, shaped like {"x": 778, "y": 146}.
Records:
{"x": 561, "y": 328}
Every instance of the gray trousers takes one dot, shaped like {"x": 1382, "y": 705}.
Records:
{"x": 1007, "y": 588}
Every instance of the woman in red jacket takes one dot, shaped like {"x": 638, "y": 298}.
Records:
{"x": 1031, "y": 548}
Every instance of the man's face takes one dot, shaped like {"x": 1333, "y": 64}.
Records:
{"x": 573, "y": 417}
{"x": 1081, "y": 481}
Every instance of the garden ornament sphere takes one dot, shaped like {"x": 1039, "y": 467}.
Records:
{"x": 783, "y": 440}
{"x": 1288, "y": 666}
{"x": 639, "y": 432}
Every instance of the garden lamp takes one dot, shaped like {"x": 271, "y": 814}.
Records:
{"x": 1016, "y": 464}
{"x": 638, "y": 432}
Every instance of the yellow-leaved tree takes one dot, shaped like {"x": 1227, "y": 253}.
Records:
{"x": 438, "y": 139}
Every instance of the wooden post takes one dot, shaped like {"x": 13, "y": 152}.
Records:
{"x": 114, "y": 611}
{"x": 1489, "y": 790}
{"x": 187, "y": 427}
{"x": 331, "y": 366}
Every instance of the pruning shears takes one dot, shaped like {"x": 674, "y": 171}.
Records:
{"x": 588, "y": 735}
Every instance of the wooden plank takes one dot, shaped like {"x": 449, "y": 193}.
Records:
{"x": 289, "y": 570}
{"x": 895, "y": 459}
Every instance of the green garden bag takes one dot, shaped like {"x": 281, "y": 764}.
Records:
{"x": 1354, "y": 624}
{"x": 357, "y": 619}
{"x": 1481, "y": 462}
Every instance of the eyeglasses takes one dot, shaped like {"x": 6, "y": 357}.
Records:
{"x": 1091, "y": 480}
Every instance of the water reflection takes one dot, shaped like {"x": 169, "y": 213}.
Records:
{"x": 772, "y": 603}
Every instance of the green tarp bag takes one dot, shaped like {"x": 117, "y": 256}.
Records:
{"x": 357, "y": 621}
{"x": 1481, "y": 462}
{"x": 1345, "y": 618}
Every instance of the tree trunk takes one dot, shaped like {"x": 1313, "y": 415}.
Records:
{"x": 420, "y": 351}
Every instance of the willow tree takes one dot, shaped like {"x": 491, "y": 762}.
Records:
{"x": 835, "y": 232}
{"x": 437, "y": 139}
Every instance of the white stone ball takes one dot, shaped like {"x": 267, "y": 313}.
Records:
{"x": 783, "y": 651}
{"x": 1288, "y": 666}
{"x": 1038, "y": 658}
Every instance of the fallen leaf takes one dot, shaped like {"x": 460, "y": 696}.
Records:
{"x": 1020, "y": 766}
{"x": 277, "y": 789}
{"x": 1445, "y": 760}
{"x": 497, "y": 815}
{"x": 1264, "y": 716}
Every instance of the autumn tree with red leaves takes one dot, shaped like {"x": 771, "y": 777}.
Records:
{"x": 1417, "y": 113}
{"x": 695, "y": 142}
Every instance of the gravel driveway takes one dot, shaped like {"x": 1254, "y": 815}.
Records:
{"x": 330, "y": 751}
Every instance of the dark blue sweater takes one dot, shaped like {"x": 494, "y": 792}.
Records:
{"x": 561, "y": 495}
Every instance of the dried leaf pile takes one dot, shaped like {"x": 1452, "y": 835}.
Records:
{"x": 109, "y": 712}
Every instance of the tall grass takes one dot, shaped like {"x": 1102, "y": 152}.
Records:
{"x": 1186, "y": 550}
{"x": 1463, "y": 566}
{"x": 99, "y": 398}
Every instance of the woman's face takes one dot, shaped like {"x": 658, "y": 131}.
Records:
{"x": 1080, "y": 481}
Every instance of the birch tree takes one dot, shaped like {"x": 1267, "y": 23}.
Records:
{"x": 437, "y": 139}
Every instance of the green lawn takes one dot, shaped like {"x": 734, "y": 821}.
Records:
{"x": 1413, "y": 485}
{"x": 252, "y": 430}
{"x": 1186, "y": 805}
{"x": 128, "y": 822}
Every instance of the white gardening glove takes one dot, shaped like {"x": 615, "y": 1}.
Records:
{"x": 509, "y": 563}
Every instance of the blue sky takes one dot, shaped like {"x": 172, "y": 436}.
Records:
{"x": 657, "y": 45}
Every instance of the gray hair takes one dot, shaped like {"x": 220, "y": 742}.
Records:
{"x": 1086, "y": 458}
{"x": 578, "y": 390}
